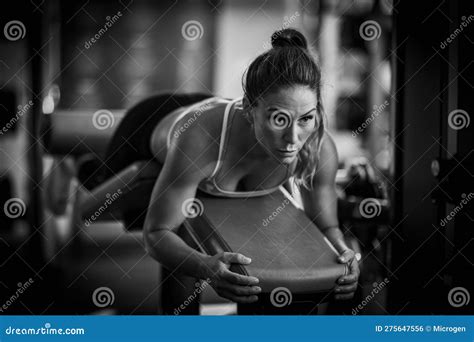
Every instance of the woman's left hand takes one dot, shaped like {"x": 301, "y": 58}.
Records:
{"x": 347, "y": 284}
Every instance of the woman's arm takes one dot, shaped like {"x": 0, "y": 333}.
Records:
{"x": 177, "y": 182}
{"x": 185, "y": 166}
{"x": 320, "y": 205}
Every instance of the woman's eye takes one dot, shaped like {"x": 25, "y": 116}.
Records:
{"x": 306, "y": 119}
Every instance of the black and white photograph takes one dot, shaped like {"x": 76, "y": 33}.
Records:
{"x": 236, "y": 158}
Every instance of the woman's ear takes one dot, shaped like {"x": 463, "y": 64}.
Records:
{"x": 247, "y": 110}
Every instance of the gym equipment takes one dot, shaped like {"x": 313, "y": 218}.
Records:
{"x": 80, "y": 132}
{"x": 286, "y": 248}
{"x": 291, "y": 257}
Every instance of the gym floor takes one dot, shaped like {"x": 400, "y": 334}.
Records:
{"x": 101, "y": 255}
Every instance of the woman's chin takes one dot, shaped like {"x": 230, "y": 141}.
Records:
{"x": 287, "y": 159}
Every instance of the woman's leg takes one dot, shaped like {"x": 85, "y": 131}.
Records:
{"x": 131, "y": 140}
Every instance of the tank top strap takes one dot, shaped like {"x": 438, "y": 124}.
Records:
{"x": 203, "y": 104}
{"x": 228, "y": 112}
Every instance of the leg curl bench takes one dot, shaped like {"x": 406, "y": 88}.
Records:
{"x": 295, "y": 263}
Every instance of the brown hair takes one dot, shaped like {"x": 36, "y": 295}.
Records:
{"x": 286, "y": 64}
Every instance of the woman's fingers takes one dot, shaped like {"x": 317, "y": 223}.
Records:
{"x": 347, "y": 285}
{"x": 347, "y": 279}
{"x": 235, "y": 258}
{"x": 350, "y": 278}
{"x": 237, "y": 293}
{"x": 347, "y": 256}
{"x": 235, "y": 278}
{"x": 346, "y": 288}
{"x": 240, "y": 290}
{"x": 344, "y": 292}
{"x": 353, "y": 270}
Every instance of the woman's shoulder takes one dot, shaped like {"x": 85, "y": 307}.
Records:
{"x": 196, "y": 136}
{"x": 328, "y": 146}
{"x": 205, "y": 118}
{"x": 328, "y": 160}
{"x": 203, "y": 121}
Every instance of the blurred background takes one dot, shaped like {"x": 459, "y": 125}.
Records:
{"x": 392, "y": 75}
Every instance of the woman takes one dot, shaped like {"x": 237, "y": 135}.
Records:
{"x": 247, "y": 147}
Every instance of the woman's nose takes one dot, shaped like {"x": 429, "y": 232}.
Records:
{"x": 291, "y": 134}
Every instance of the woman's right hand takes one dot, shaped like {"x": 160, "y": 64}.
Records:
{"x": 236, "y": 287}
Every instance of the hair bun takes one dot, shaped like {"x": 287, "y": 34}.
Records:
{"x": 289, "y": 38}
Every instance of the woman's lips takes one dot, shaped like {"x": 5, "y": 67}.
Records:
{"x": 287, "y": 152}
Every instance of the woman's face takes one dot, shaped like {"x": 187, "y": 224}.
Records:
{"x": 284, "y": 120}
